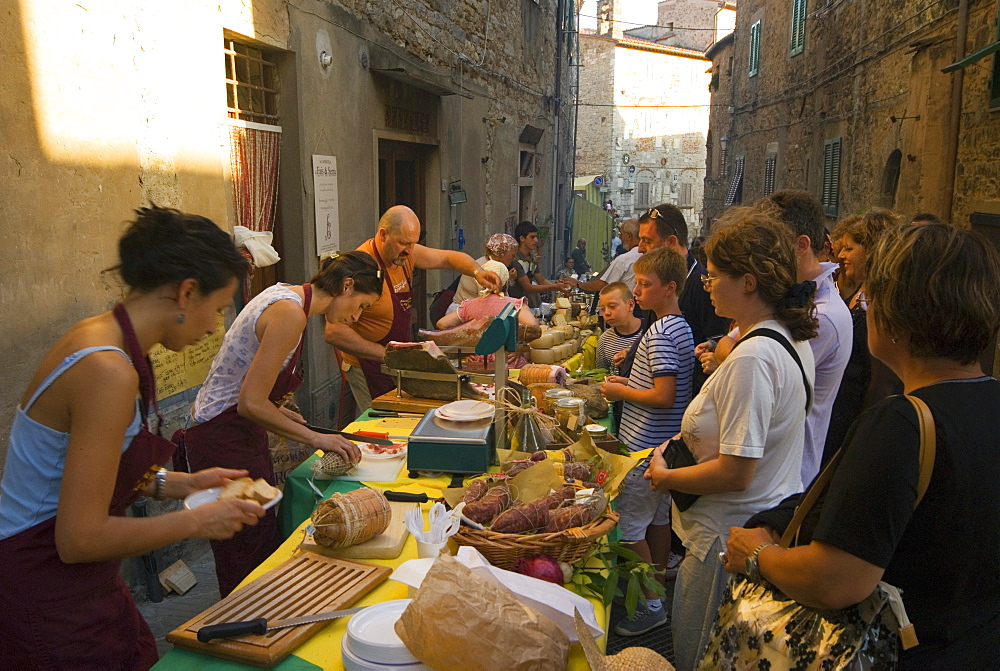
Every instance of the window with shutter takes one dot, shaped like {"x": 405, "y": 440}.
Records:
{"x": 685, "y": 199}
{"x": 735, "y": 194}
{"x": 798, "y": 41}
{"x": 995, "y": 77}
{"x": 831, "y": 176}
{"x": 642, "y": 199}
{"x": 754, "y": 66}
{"x": 769, "y": 166}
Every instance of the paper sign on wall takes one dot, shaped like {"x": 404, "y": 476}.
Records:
{"x": 179, "y": 371}
{"x": 325, "y": 201}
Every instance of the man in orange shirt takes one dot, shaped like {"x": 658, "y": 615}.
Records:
{"x": 390, "y": 318}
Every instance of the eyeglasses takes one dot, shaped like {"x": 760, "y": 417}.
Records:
{"x": 707, "y": 280}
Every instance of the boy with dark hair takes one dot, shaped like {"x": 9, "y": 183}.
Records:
{"x": 654, "y": 397}
{"x": 526, "y": 267}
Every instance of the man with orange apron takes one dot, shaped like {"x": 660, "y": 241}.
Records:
{"x": 81, "y": 615}
{"x": 390, "y": 318}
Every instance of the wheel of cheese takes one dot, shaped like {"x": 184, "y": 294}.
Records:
{"x": 543, "y": 355}
{"x": 546, "y": 341}
{"x": 558, "y": 337}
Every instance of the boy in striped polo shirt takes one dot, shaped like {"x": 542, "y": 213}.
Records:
{"x": 654, "y": 397}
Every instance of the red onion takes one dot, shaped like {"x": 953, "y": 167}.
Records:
{"x": 542, "y": 567}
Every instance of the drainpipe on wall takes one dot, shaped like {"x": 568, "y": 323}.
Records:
{"x": 957, "y": 81}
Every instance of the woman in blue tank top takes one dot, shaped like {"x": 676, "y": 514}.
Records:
{"x": 80, "y": 451}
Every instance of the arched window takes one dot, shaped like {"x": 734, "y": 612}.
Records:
{"x": 890, "y": 178}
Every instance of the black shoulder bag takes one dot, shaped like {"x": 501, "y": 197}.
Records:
{"x": 678, "y": 455}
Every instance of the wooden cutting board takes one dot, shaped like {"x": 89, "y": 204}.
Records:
{"x": 387, "y": 545}
{"x": 406, "y": 403}
{"x": 305, "y": 584}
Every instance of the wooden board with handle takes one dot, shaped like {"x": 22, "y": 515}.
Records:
{"x": 387, "y": 545}
{"x": 406, "y": 403}
{"x": 305, "y": 584}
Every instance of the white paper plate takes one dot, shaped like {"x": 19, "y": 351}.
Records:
{"x": 354, "y": 663}
{"x": 211, "y": 495}
{"x": 367, "y": 454}
{"x": 371, "y": 634}
{"x": 462, "y": 418}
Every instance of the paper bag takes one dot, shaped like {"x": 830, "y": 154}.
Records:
{"x": 460, "y": 620}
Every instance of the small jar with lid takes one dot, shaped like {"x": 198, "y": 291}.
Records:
{"x": 550, "y": 397}
{"x": 597, "y": 432}
{"x": 570, "y": 414}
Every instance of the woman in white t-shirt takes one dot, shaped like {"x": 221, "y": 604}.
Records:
{"x": 746, "y": 426}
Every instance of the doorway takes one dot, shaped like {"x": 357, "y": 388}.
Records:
{"x": 401, "y": 181}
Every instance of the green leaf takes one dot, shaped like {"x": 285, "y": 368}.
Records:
{"x": 610, "y": 587}
{"x": 632, "y": 595}
{"x": 629, "y": 555}
{"x": 653, "y": 585}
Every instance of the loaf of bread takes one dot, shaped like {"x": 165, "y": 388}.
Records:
{"x": 249, "y": 489}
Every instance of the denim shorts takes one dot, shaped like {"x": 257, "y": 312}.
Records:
{"x": 639, "y": 506}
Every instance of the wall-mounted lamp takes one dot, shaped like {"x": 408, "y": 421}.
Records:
{"x": 723, "y": 141}
{"x": 325, "y": 59}
{"x": 456, "y": 194}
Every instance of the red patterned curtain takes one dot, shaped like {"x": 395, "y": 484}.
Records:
{"x": 253, "y": 156}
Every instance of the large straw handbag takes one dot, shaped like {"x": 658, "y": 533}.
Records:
{"x": 759, "y": 627}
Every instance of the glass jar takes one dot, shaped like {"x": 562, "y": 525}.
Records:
{"x": 596, "y": 432}
{"x": 550, "y": 397}
{"x": 569, "y": 412}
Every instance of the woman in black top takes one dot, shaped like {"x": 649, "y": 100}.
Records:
{"x": 934, "y": 295}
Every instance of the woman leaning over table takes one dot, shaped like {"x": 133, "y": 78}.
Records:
{"x": 934, "y": 305}
{"x": 255, "y": 371}
{"x": 746, "y": 426}
{"x": 81, "y": 451}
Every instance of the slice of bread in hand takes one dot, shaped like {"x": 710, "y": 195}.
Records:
{"x": 237, "y": 489}
{"x": 261, "y": 492}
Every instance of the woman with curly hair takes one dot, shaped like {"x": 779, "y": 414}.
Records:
{"x": 866, "y": 380}
{"x": 745, "y": 429}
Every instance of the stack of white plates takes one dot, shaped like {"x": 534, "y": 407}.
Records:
{"x": 371, "y": 643}
{"x": 465, "y": 411}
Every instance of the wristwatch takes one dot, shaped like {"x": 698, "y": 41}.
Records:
{"x": 752, "y": 568}
{"x": 160, "y": 484}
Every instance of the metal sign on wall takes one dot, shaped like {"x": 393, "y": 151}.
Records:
{"x": 325, "y": 204}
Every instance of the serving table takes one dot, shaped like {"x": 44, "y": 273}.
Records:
{"x": 322, "y": 651}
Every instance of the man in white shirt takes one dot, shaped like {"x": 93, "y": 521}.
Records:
{"x": 620, "y": 268}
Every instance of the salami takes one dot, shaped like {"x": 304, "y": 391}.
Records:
{"x": 483, "y": 511}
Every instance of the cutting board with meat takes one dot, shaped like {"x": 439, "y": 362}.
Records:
{"x": 387, "y": 545}
{"x": 305, "y": 584}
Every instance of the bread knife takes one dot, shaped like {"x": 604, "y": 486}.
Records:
{"x": 262, "y": 625}
{"x": 350, "y": 436}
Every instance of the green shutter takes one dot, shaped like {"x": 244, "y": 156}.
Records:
{"x": 831, "y": 176}
{"x": 995, "y": 78}
{"x": 798, "y": 41}
{"x": 754, "y": 65}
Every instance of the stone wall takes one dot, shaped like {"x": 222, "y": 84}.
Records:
{"x": 870, "y": 74}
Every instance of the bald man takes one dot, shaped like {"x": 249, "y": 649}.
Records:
{"x": 397, "y": 253}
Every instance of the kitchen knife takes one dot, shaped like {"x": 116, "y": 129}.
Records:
{"x": 261, "y": 625}
{"x": 350, "y": 436}
{"x": 409, "y": 497}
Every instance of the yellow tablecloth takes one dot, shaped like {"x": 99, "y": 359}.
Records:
{"x": 323, "y": 649}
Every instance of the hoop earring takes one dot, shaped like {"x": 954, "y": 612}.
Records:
{"x": 181, "y": 318}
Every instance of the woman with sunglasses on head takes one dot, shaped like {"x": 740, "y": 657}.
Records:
{"x": 81, "y": 450}
{"x": 255, "y": 371}
{"x": 746, "y": 427}
{"x": 934, "y": 294}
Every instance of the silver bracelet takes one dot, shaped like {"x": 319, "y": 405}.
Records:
{"x": 161, "y": 483}
{"x": 753, "y": 563}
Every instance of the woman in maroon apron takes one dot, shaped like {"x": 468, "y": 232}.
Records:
{"x": 80, "y": 452}
{"x": 255, "y": 372}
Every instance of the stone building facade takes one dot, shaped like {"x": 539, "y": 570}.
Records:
{"x": 643, "y": 107}
{"x": 105, "y": 109}
{"x": 849, "y": 101}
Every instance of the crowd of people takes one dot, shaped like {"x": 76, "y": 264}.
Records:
{"x": 785, "y": 351}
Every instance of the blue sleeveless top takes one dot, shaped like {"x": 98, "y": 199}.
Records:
{"x": 36, "y": 457}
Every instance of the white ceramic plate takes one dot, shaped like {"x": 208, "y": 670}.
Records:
{"x": 462, "y": 418}
{"x": 466, "y": 408}
{"x": 371, "y": 634}
{"x": 211, "y": 495}
{"x": 371, "y": 451}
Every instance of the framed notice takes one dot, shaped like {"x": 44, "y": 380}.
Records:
{"x": 325, "y": 202}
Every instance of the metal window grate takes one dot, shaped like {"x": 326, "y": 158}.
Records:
{"x": 769, "y": 166}
{"x": 251, "y": 83}
{"x": 831, "y": 176}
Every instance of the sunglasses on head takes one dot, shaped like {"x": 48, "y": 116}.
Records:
{"x": 655, "y": 214}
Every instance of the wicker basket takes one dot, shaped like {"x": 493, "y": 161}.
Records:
{"x": 503, "y": 550}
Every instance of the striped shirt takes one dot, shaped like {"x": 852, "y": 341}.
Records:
{"x": 610, "y": 343}
{"x": 666, "y": 349}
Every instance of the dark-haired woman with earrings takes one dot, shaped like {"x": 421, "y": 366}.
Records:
{"x": 82, "y": 448}
{"x": 255, "y": 371}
